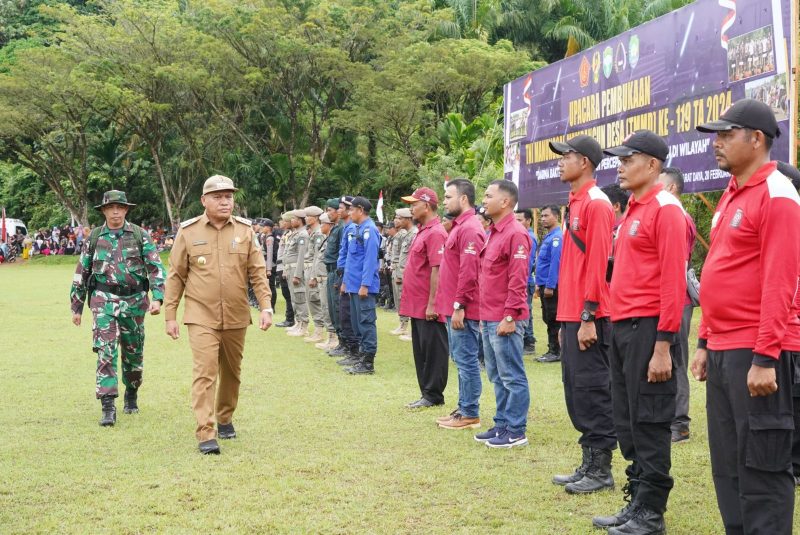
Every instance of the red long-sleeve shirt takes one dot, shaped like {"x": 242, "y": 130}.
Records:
{"x": 650, "y": 262}
{"x": 426, "y": 253}
{"x": 582, "y": 276}
{"x": 749, "y": 281}
{"x": 504, "y": 271}
{"x": 458, "y": 272}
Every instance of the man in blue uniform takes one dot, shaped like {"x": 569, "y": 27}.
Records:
{"x": 548, "y": 261}
{"x": 348, "y": 337}
{"x": 362, "y": 284}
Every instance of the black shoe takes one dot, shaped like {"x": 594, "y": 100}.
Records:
{"x": 529, "y": 349}
{"x": 226, "y": 431}
{"x": 285, "y": 323}
{"x": 365, "y": 366}
{"x": 577, "y": 475}
{"x": 681, "y": 434}
{"x": 422, "y": 403}
{"x": 209, "y": 447}
{"x": 338, "y": 351}
{"x": 131, "y": 395}
{"x": 549, "y": 357}
{"x": 349, "y": 360}
{"x": 643, "y": 521}
{"x": 109, "y": 414}
{"x": 598, "y": 474}
{"x": 624, "y": 514}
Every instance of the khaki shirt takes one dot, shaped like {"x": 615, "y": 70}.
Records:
{"x": 210, "y": 268}
{"x": 295, "y": 253}
{"x": 405, "y": 247}
{"x": 397, "y": 244}
{"x": 319, "y": 242}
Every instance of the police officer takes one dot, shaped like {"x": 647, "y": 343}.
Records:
{"x": 118, "y": 263}
{"x": 548, "y": 261}
{"x": 394, "y": 261}
{"x": 316, "y": 239}
{"x": 362, "y": 284}
{"x": 329, "y": 259}
{"x": 214, "y": 257}
{"x": 285, "y": 234}
{"x": 407, "y": 225}
{"x": 748, "y": 339}
{"x": 647, "y": 291}
{"x": 320, "y": 275}
{"x": 349, "y": 339}
{"x": 268, "y": 244}
{"x": 583, "y": 309}
{"x": 294, "y": 271}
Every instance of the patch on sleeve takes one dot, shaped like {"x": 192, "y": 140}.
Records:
{"x": 520, "y": 254}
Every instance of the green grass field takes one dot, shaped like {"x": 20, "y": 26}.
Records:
{"x": 318, "y": 451}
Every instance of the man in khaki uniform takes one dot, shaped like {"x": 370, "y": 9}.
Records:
{"x": 404, "y": 217}
{"x": 321, "y": 275}
{"x": 394, "y": 259}
{"x": 316, "y": 308}
{"x": 213, "y": 258}
{"x": 294, "y": 271}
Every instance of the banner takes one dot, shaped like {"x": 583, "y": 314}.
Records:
{"x": 668, "y": 75}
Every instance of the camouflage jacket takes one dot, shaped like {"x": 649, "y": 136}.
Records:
{"x": 118, "y": 262}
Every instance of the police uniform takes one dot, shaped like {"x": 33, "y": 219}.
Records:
{"x": 281, "y": 280}
{"x": 211, "y": 268}
{"x": 116, "y": 276}
{"x": 349, "y": 336}
{"x": 316, "y": 310}
{"x": 405, "y": 250}
{"x": 293, "y": 268}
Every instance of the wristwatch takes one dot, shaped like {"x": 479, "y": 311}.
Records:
{"x": 458, "y": 306}
{"x": 509, "y": 319}
{"x": 587, "y": 316}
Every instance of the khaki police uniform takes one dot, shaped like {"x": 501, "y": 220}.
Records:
{"x": 294, "y": 255}
{"x": 210, "y": 268}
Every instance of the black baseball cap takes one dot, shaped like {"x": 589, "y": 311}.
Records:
{"x": 745, "y": 113}
{"x": 583, "y": 145}
{"x": 643, "y": 141}
{"x": 266, "y": 222}
{"x": 347, "y": 200}
{"x": 362, "y": 202}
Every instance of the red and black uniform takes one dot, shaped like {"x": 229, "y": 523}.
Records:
{"x": 748, "y": 294}
{"x": 647, "y": 292}
{"x": 582, "y": 286}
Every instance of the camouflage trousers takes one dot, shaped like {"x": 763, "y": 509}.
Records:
{"x": 118, "y": 321}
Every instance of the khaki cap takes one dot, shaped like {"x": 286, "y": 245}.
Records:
{"x": 403, "y": 212}
{"x": 218, "y": 183}
{"x": 313, "y": 211}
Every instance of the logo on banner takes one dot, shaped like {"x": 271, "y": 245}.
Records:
{"x": 608, "y": 61}
{"x": 584, "y": 72}
{"x": 621, "y": 59}
{"x": 596, "y": 66}
{"x": 633, "y": 51}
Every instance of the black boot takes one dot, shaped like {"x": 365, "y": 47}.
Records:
{"x": 350, "y": 359}
{"x": 577, "y": 475}
{"x": 131, "y": 394}
{"x": 365, "y": 367}
{"x": 598, "y": 475}
{"x": 644, "y": 521}
{"x": 625, "y": 513}
{"x": 339, "y": 350}
{"x": 285, "y": 323}
{"x": 109, "y": 416}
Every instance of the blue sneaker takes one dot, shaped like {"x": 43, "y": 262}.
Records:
{"x": 489, "y": 434}
{"x": 506, "y": 439}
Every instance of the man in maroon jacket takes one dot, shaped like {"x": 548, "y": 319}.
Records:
{"x": 747, "y": 339}
{"x": 647, "y": 292}
{"x": 583, "y": 313}
{"x": 457, "y": 299}
{"x": 420, "y": 280}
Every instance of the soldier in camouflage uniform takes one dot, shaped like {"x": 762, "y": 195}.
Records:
{"x": 317, "y": 311}
{"x": 117, "y": 265}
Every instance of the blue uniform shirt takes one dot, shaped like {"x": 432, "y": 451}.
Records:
{"x": 532, "y": 259}
{"x": 362, "y": 259}
{"x": 348, "y": 233}
{"x": 549, "y": 259}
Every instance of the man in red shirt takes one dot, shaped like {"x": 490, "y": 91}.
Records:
{"x": 583, "y": 314}
{"x": 672, "y": 179}
{"x": 647, "y": 292}
{"x": 747, "y": 339}
{"x": 420, "y": 280}
{"x": 504, "y": 309}
{"x": 457, "y": 298}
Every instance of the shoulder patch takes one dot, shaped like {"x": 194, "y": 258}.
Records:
{"x": 667, "y": 199}
{"x": 596, "y": 194}
{"x": 780, "y": 186}
{"x": 190, "y": 221}
{"x": 243, "y": 220}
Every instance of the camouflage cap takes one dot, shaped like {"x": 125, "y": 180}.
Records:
{"x": 114, "y": 196}
{"x": 218, "y": 183}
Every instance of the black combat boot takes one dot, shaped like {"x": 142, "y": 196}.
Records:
{"x": 578, "y": 474}
{"x": 365, "y": 367}
{"x": 131, "y": 395}
{"x": 598, "y": 475}
{"x": 109, "y": 416}
{"x": 350, "y": 359}
{"x": 644, "y": 521}
{"x": 625, "y": 514}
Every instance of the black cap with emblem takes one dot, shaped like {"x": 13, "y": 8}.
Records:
{"x": 583, "y": 145}
{"x": 641, "y": 141}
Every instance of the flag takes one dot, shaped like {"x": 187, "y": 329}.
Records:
{"x": 3, "y": 228}
{"x": 727, "y": 21}
{"x": 379, "y": 207}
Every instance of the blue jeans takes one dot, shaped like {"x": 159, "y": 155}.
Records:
{"x": 506, "y": 371}
{"x": 464, "y": 350}
{"x": 363, "y": 318}
{"x": 529, "y": 337}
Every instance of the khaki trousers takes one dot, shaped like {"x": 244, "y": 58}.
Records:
{"x": 217, "y": 354}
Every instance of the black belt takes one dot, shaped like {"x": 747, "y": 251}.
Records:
{"x": 121, "y": 291}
